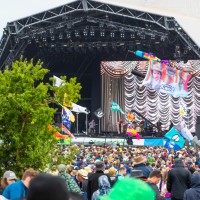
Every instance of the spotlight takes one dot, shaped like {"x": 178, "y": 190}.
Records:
{"x": 112, "y": 34}
{"x": 85, "y": 32}
{"x": 52, "y": 37}
{"x": 76, "y": 33}
{"x": 122, "y": 35}
{"x": 132, "y": 35}
{"x": 68, "y": 35}
{"x": 102, "y": 33}
{"x": 92, "y": 32}
{"x": 60, "y": 36}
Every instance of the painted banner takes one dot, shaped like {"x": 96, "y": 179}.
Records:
{"x": 161, "y": 77}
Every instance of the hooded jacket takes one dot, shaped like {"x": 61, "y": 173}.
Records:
{"x": 179, "y": 180}
{"x": 194, "y": 192}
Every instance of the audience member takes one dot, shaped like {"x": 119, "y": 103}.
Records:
{"x": 47, "y": 187}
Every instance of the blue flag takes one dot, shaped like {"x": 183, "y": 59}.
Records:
{"x": 171, "y": 145}
{"x": 175, "y": 137}
{"x": 66, "y": 119}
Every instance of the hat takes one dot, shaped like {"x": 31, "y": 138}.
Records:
{"x": 139, "y": 160}
{"x": 62, "y": 168}
{"x": 137, "y": 174}
{"x": 88, "y": 169}
{"x": 10, "y": 175}
{"x": 137, "y": 189}
{"x": 83, "y": 173}
{"x": 157, "y": 67}
{"x": 99, "y": 165}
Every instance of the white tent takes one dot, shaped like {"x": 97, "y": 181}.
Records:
{"x": 186, "y": 12}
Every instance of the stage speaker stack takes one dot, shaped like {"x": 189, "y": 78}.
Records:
{"x": 198, "y": 127}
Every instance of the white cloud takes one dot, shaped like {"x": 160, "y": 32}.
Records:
{"x": 12, "y": 10}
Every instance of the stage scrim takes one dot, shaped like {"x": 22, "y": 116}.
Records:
{"x": 120, "y": 85}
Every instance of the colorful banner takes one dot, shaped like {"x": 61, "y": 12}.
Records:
{"x": 161, "y": 77}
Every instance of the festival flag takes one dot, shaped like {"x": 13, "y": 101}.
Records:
{"x": 57, "y": 134}
{"x": 175, "y": 137}
{"x": 99, "y": 113}
{"x": 148, "y": 56}
{"x": 79, "y": 109}
{"x": 115, "y": 107}
{"x": 67, "y": 132}
{"x": 183, "y": 108}
{"x": 132, "y": 132}
{"x": 184, "y": 131}
{"x": 57, "y": 81}
{"x": 171, "y": 145}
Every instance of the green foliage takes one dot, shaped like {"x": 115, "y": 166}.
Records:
{"x": 65, "y": 156}
{"x": 68, "y": 90}
{"x": 25, "y": 115}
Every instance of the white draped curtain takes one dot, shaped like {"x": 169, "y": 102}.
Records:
{"x": 128, "y": 92}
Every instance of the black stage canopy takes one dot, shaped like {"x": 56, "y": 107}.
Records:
{"x": 86, "y": 28}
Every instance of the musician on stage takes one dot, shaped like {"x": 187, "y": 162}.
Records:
{"x": 144, "y": 124}
{"x": 159, "y": 128}
{"x": 120, "y": 126}
{"x": 92, "y": 125}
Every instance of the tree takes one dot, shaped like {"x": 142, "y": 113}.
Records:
{"x": 25, "y": 114}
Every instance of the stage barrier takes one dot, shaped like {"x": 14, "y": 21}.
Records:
{"x": 116, "y": 141}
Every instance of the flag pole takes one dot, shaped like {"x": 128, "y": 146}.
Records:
{"x": 77, "y": 122}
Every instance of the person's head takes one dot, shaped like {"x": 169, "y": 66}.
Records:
{"x": 8, "y": 178}
{"x": 99, "y": 165}
{"x": 122, "y": 171}
{"x": 139, "y": 160}
{"x": 28, "y": 175}
{"x": 75, "y": 171}
{"x": 112, "y": 171}
{"x": 62, "y": 168}
{"x": 138, "y": 174}
{"x": 156, "y": 72}
{"x": 156, "y": 75}
{"x": 155, "y": 176}
{"x": 82, "y": 175}
{"x": 47, "y": 187}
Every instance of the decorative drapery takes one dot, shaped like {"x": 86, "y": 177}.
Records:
{"x": 128, "y": 92}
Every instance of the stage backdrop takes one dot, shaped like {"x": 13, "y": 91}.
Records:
{"x": 119, "y": 85}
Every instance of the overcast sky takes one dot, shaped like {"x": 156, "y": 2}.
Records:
{"x": 11, "y": 10}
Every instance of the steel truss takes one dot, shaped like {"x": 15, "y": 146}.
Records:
{"x": 68, "y": 15}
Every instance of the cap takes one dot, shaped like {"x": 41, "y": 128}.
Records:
{"x": 62, "y": 168}
{"x": 137, "y": 174}
{"x": 75, "y": 168}
{"x": 10, "y": 175}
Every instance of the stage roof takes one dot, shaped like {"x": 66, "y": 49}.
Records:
{"x": 106, "y": 28}
{"x": 186, "y": 12}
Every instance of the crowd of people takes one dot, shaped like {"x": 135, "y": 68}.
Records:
{"x": 111, "y": 173}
